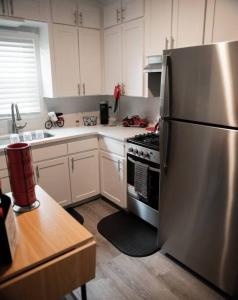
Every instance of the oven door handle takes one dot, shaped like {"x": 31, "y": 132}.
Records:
{"x": 131, "y": 160}
{"x": 154, "y": 169}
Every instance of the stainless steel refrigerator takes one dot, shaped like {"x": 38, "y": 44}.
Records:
{"x": 199, "y": 161}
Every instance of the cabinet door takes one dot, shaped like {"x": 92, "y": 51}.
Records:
{"x": 133, "y": 53}
{"x": 188, "y": 23}
{"x": 132, "y": 9}
{"x": 112, "y": 14}
{"x": 158, "y": 18}
{"x": 3, "y": 8}
{"x": 84, "y": 175}
{"x": 112, "y": 58}
{"x": 30, "y": 9}
{"x": 53, "y": 177}
{"x": 5, "y": 182}
{"x": 66, "y": 60}
{"x": 113, "y": 181}
{"x": 225, "y": 21}
{"x": 90, "y": 61}
{"x": 64, "y": 11}
{"x": 89, "y": 15}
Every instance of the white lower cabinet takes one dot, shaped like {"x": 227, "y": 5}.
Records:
{"x": 113, "y": 178}
{"x": 53, "y": 177}
{"x": 5, "y": 182}
{"x": 84, "y": 175}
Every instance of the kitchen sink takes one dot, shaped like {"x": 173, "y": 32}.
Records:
{"x": 5, "y": 139}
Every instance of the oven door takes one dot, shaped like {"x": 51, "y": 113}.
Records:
{"x": 153, "y": 180}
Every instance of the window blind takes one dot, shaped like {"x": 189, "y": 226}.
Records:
{"x": 19, "y": 80}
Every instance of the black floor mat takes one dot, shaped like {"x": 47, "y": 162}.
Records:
{"x": 129, "y": 234}
{"x": 75, "y": 214}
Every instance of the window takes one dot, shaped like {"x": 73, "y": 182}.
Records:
{"x": 19, "y": 72}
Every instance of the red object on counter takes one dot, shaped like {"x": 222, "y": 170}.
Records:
{"x": 134, "y": 121}
{"x": 21, "y": 173}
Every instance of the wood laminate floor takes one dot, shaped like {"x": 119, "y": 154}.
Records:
{"x": 120, "y": 277}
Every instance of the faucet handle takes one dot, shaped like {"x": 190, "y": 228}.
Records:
{"x": 18, "y": 114}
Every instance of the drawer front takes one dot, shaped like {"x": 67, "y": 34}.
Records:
{"x": 3, "y": 163}
{"x": 62, "y": 275}
{"x": 48, "y": 152}
{"x": 83, "y": 145}
{"x": 111, "y": 145}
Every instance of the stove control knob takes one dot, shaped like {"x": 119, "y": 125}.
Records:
{"x": 135, "y": 151}
{"x": 147, "y": 155}
{"x": 141, "y": 153}
{"x": 130, "y": 149}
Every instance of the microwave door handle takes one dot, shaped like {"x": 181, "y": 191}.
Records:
{"x": 167, "y": 133}
{"x": 166, "y": 83}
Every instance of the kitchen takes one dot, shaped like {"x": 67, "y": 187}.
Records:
{"x": 82, "y": 50}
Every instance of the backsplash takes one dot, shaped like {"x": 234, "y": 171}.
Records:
{"x": 145, "y": 107}
{"x": 75, "y": 108}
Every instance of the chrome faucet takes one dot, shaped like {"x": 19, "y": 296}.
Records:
{"x": 15, "y": 118}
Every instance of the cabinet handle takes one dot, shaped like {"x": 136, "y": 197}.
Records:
{"x": 84, "y": 89}
{"x": 75, "y": 17}
{"x": 123, "y": 89}
{"x": 3, "y": 7}
{"x": 171, "y": 42}
{"x": 122, "y": 14}
{"x": 119, "y": 165}
{"x": 79, "y": 92}
{"x": 166, "y": 43}
{"x": 37, "y": 173}
{"x": 11, "y": 7}
{"x": 118, "y": 15}
{"x": 81, "y": 18}
{"x": 72, "y": 164}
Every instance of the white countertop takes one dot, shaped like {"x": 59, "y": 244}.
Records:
{"x": 60, "y": 134}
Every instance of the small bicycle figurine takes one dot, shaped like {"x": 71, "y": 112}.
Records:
{"x": 55, "y": 119}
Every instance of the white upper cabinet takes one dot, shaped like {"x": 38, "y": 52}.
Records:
{"x": 112, "y": 14}
{"x": 90, "y": 61}
{"x": 188, "y": 23}
{"x": 64, "y": 11}
{"x": 118, "y": 11}
{"x": 66, "y": 60}
{"x": 26, "y": 9}
{"x": 89, "y": 15}
{"x": 133, "y": 46}
{"x": 112, "y": 59}
{"x": 132, "y": 9}
{"x": 224, "y": 21}
{"x": 123, "y": 58}
{"x": 158, "y": 18}
{"x": 72, "y": 12}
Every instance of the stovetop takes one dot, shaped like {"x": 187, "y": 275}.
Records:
{"x": 148, "y": 140}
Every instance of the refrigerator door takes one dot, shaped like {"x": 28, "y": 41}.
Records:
{"x": 200, "y": 84}
{"x": 199, "y": 200}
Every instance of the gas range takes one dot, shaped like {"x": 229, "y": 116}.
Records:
{"x": 145, "y": 146}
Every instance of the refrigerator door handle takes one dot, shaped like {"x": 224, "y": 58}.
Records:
{"x": 167, "y": 133}
{"x": 166, "y": 84}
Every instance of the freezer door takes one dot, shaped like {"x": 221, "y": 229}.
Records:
{"x": 199, "y": 200}
{"x": 200, "y": 84}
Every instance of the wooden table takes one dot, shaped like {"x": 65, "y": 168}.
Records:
{"x": 54, "y": 255}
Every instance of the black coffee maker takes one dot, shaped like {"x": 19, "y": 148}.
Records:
{"x": 104, "y": 112}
